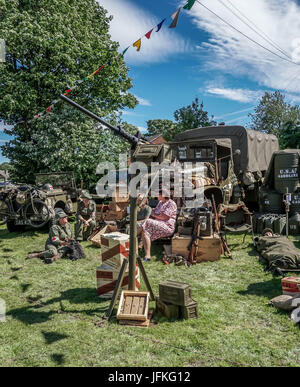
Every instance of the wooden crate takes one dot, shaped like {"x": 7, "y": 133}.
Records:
{"x": 107, "y": 281}
{"x": 95, "y": 238}
{"x": 136, "y": 323}
{"x": 114, "y": 249}
{"x": 190, "y": 310}
{"x": 176, "y": 293}
{"x": 117, "y": 198}
{"x": 291, "y": 286}
{"x": 168, "y": 310}
{"x": 133, "y": 306}
{"x": 100, "y": 211}
{"x": 118, "y": 206}
{"x": 209, "y": 248}
{"x": 115, "y": 215}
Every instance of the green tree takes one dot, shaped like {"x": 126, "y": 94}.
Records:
{"x": 159, "y": 126}
{"x": 60, "y": 144}
{"x": 272, "y": 113}
{"x": 50, "y": 45}
{"x": 290, "y": 135}
{"x": 192, "y": 116}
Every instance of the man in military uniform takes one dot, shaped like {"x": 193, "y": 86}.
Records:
{"x": 58, "y": 241}
{"x": 85, "y": 217}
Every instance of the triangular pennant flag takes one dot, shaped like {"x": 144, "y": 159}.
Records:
{"x": 137, "y": 44}
{"x": 125, "y": 50}
{"x": 159, "y": 25}
{"x": 148, "y": 34}
{"x": 189, "y": 4}
{"x": 175, "y": 16}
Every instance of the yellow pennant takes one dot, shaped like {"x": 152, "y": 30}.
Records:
{"x": 137, "y": 44}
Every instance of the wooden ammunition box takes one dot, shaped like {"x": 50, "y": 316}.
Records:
{"x": 168, "y": 310}
{"x": 209, "y": 248}
{"x": 173, "y": 292}
{"x": 133, "y": 306}
{"x": 120, "y": 206}
{"x": 190, "y": 310}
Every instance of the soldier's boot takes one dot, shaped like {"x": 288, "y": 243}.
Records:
{"x": 35, "y": 255}
{"x": 52, "y": 259}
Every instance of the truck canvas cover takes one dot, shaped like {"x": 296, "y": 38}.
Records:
{"x": 256, "y": 147}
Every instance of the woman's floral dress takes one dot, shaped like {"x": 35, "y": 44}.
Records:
{"x": 156, "y": 229}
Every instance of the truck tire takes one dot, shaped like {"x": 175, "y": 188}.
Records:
{"x": 12, "y": 227}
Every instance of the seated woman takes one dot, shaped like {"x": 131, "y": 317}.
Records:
{"x": 163, "y": 224}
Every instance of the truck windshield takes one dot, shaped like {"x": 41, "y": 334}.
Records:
{"x": 203, "y": 152}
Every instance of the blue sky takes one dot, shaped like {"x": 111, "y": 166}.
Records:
{"x": 205, "y": 58}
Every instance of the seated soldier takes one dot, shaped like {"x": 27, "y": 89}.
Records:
{"x": 144, "y": 211}
{"x": 85, "y": 217}
{"x": 58, "y": 241}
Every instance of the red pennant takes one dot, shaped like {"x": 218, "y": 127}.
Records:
{"x": 148, "y": 34}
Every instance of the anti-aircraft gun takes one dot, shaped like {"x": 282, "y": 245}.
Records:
{"x": 141, "y": 150}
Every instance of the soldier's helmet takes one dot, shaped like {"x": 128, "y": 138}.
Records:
{"x": 85, "y": 195}
{"x": 48, "y": 187}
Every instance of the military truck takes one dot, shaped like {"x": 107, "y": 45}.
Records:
{"x": 61, "y": 190}
{"x": 239, "y": 156}
{"x": 235, "y": 159}
{"x": 24, "y": 205}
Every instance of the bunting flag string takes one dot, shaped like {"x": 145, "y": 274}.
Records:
{"x": 174, "y": 16}
{"x": 189, "y": 5}
{"x": 148, "y": 34}
{"x": 137, "y": 44}
{"x": 160, "y": 25}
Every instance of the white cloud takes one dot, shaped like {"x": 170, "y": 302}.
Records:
{"x": 240, "y": 95}
{"x": 236, "y": 120}
{"x": 230, "y": 52}
{"x": 143, "y": 101}
{"x": 3, "y": 141}
{"x": 131, "y": 23}
{"x": 234, "y": 113}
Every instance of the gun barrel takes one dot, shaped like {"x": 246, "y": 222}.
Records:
{"x": 117, "y": 130}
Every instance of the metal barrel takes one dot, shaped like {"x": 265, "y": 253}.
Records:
{"x": 286, "y": 172}
{"x": 117, "y": 130}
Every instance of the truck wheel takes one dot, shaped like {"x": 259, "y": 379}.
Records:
{"x": 37, "y": 214}
{"x": 12, "y": 227}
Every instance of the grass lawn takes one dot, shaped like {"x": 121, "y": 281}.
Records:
{"x": 54, "y": 317}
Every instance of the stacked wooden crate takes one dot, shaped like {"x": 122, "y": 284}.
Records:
{"x": 209, "y": 247}
{"x": 175, "y": 300}
{"x": 114, "y": 250}
{"x": 95, "y": 238}
{"x": 117, "y": 207}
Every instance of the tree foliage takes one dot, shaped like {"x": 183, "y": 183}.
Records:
{"x": 50, "y": 45}
{"x": 272, "y": 113}
{"x": 189, "y": 117}
{"x": 192, "y": 116}
{"x": 290, "y": 135}
{"x": 160, "y": 126}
